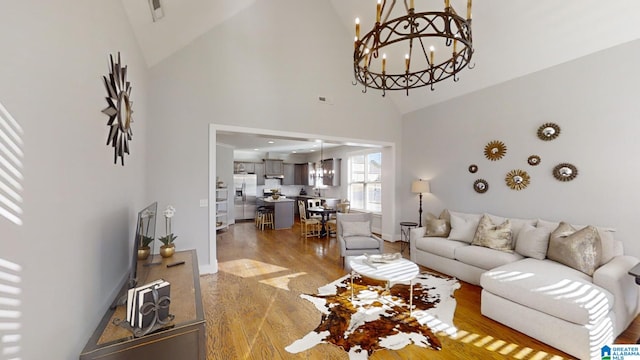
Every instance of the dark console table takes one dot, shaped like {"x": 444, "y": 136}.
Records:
{"x": 185, "y": 339}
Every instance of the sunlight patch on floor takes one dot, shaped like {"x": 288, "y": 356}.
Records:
{"x": 281, "y": 282}
{"x": 246, "y": 268}
{"x": 501, "y": 347}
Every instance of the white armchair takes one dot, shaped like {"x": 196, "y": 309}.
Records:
{"x": 355, "y": 237}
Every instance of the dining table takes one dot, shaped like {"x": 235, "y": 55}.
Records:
{"x": 324, "y": 213}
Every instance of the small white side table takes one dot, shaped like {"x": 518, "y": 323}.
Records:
{"x": 395, "y": 271}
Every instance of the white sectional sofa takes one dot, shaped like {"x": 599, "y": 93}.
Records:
{"x": 577, "y": 303}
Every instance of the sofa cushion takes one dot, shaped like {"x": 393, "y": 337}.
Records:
{"x": 578, "y": 249}
{"x": 439, "y": 246}
{"x": 550, "y": 287}
{"x": 610, "y": 246}
{"x": 493, "y": 236}
{"x": 361, "y": 242}
{"x": 483, "y": 257}
{"x": 356, "y": 228}
{"x": 438, "y": 226}
{"x": 533, "y": 242}
{"x": 463, "y": 226}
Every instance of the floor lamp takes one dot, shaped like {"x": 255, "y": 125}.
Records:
{"x": 418, "y": 187}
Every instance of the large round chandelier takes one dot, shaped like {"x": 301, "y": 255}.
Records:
{"x": 435, "y": 45}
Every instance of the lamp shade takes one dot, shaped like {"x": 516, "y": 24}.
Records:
{"x": 420, "y": 186}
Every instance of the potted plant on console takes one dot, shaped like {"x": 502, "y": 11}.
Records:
{"x": 144, "y": 241}
{"x": 168, "y": 248}
{"x": 143, "y": 249}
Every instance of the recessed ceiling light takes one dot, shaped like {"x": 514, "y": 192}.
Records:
{"x": 256, "y": 149}
{"x": 271, "y": 142}
{"x": 295, "y": 152}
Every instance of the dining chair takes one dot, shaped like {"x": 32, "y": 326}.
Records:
{"x": 314, "y": 203}
{"x": 308, "y": 227}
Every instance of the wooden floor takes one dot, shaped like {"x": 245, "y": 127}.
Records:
{"x": 253, "y": 307}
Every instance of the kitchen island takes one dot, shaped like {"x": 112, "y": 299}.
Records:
{"x": 282, "y": 211}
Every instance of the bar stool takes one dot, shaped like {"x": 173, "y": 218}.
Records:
{"x": 258, "y": 219}
{"x": 265, "y": 218}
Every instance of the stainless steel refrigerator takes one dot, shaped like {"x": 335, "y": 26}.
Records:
{"x": 245, "y": 196}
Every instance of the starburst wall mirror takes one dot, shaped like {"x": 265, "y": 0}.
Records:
{"x": 119, "y": 109}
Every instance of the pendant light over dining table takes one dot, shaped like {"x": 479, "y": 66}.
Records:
{"x": 435, "y": 45}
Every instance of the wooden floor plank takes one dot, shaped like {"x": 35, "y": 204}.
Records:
{"x": 253, "y": 307}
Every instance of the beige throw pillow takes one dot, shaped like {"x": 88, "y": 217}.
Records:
{"x": 356, "y": 228}
{"x": 463, "y": 226}
{"x": 581, "y": 250}
{"x": 533, "y": 242}
{"x": 493, "y": 236}
{"x": 438, "y": 226}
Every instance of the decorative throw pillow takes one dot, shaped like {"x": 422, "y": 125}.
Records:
{"x": 438, "y": 226}
{"x": 356, "y": 228}
{"x": 581, "y": 250}
{"x": 463, "y": 226}
{"x": 533, "y": 242}
{"x": 493, "y": 236}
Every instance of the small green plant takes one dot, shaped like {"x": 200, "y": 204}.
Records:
{"x": 168, "y": 239}
{"x": 145, "y": 241}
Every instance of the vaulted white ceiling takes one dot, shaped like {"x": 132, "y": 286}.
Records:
{"x": 512, "y": 38}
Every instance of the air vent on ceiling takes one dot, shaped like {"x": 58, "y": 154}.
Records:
{"x": 156, "y": 10}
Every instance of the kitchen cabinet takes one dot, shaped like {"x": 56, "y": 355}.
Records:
{"x": 331, "y": 172}
{"x": 304, "y": 174}
{"x": 259, "y": 171}
{"x": 243, "y": 167}
{"x": 289, "y": 175}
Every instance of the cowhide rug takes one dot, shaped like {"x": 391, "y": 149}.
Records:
{"x": 377, "y": 319}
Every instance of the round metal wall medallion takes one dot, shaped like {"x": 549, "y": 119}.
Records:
{"x": 548, "y": 131}
{"x": 534, "y": 160}
{"x": 565, "y": 172}
{"x": 473, "y": 168}
{"x": 481, "y": 186}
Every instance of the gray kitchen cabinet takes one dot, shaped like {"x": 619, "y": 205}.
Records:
{"x": 259, "y": 170}
{"x": 304, "y": 174}
{"x": 289, "y": 175}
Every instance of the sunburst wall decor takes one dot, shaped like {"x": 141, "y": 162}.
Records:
{"x": 495, "y": 150}
{"x": 119, "y": 109}
{"x": 517, "y": 179}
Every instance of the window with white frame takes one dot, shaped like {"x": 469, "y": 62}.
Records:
{"x": 365, "y": 181}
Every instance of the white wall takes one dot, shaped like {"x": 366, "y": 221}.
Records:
{"x": 595, "y": 102}
{"x": 79, "y": 209}
{"x": 262, "y": 69}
